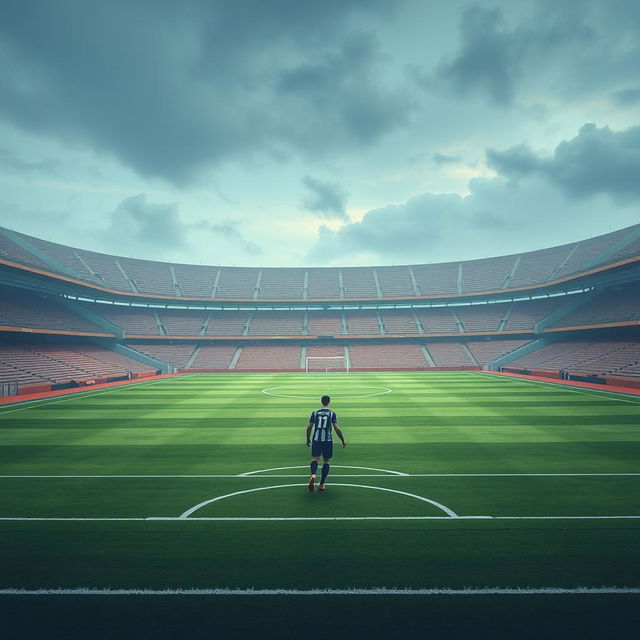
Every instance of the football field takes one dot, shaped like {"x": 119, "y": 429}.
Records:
{"x": 477, "y": 493}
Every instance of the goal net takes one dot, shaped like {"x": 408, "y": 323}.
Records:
{"x": 326, "y": 364}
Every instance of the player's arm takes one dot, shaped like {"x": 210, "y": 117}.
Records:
{"x": 309, "y": 427}
{"x": 340, "y": 434}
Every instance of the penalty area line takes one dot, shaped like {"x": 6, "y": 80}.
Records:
{"x": 372, "y": 591}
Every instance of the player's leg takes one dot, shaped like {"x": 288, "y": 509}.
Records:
{"x": 326, "y": 458}
{"x": 315, "y": 456}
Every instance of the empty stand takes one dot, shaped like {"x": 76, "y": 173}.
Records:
{"x": 487, "y": 351}
{"x": 323, "y": 284}
{"x": 487, "y": 275}
{"x": 134, "y": 321}
{"x": 523, "y": 316}
{"x": 183, "y": 323}
{"x": 60, "y": 363}
{"x": 621, "y": 304}
{"x": 437, "y": 279}
{"x": 399, "y": 322}
{"x": 282, "y": 284}
{"x": 213, "y": 357}
{"x": 395, "y": 282}
{"x": 228, "y": 323}
{"x": 177, "y": 355}
{"x": 324, "y": 323}
{"x": 449, "y": 354}
{"x": 359, "y": 282}
{"x": 237, "y": 282}
{"x": 437, "y": 320}
{"x": 596, "y": 357}
{"x": 386, "y": 356}
{"x": 275, "y": 323}
{"x": 486, "y": 317}
{"x": 26, "y": 309}
{"x": 269, "y": 357}
{"x": 195, "y": 281}
{"x": 362, "y": 322}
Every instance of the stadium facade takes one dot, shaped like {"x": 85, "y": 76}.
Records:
{"x": 69, "y": 316}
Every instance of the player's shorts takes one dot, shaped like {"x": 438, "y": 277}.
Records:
{"x": 324, "y": 449}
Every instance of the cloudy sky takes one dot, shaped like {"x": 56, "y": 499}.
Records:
{"x": 341, "y": 132}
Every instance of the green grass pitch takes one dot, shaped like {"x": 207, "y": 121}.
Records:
{"x": 449, "y": 481}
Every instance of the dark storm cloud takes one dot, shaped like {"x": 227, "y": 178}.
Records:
{"x": 136, "y": 223}
{"x": 569, "y": 49}
{"x": 171, "y": 87}
{"x": 327, "y": 199}
{"x": 489, "y": 57}
{"x": 597, "y": 160}
{"x": 342, "y": 94}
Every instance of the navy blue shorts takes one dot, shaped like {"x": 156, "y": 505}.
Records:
{"x": 324, "y": 449}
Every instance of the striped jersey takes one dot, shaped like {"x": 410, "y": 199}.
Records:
{"x": 323, "y": 420}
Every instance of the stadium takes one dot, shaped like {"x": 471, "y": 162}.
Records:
{"x": 152, "y": 417}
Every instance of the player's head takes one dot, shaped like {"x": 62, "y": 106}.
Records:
{"x": 325, "y": 401}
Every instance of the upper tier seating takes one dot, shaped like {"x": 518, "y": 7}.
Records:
{"x": 443, "y": 279}
{"x": 487, "y": 274}
{"x": 282, "y": 284}
{"x": 396, "y": 281}
{"x": 323, "y": 284}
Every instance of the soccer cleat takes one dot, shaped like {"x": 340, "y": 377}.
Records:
{"x": 322, "y": 487}
{"x": 312, "y": 483}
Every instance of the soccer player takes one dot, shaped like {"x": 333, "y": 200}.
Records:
{"x": 322, "y": 421}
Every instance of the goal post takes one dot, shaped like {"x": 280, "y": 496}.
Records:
{"x": 325, "y": 364}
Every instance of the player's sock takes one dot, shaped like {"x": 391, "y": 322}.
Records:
{"x": 314, "y": 467}
{"x": 325, "y": 472}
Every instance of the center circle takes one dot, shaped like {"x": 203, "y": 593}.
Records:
{"x": 353, "y": 392}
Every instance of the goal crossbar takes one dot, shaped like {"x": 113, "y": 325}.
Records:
{"x": 326, "y": 363}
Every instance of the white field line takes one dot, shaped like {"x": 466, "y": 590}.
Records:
{"x": 193, "y": 509}
{"x": 28, "y": 404}
{"x": 372, "y": 591}
{"x": 395, "y": 474}
{"x": 310, "y": 518}
{"x": 598, "y": 393}
{"x": 335, "y": 466}
{"x": 382, "y": 391}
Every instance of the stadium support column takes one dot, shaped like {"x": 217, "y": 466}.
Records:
{"x": 303, "y": 356}
{"x": 377, "y": 283}
{"x": 460, "y": 278}
{"x": 416, "y": 288}
{"x": 163, "y": 367}
{"x": 347, "y": 357}
{"x": 427, "y": 355}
